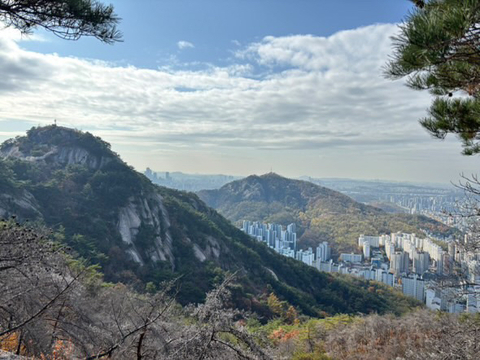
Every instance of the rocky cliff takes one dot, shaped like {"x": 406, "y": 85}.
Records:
{"x": 141, "y": 233}
{"x": 53, "y": 149}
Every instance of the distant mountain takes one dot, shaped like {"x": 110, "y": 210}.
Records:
{"x": 271, "y": 196}
{"x": 139, "y": 232}
{"x": 321, "y": 213}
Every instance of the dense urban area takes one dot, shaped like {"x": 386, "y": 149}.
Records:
{"x": 418, "y": 266}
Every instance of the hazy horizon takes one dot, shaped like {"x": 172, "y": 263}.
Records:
{"x": 301, "y": 177}
{"x": 299, "y": 91}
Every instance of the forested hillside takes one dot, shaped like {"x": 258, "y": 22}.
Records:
{"x": 321, "y": 214}
{"x": 141, "y": 234}
{"x": 57, "y": 307}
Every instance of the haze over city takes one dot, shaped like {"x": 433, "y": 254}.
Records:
{"x": 299, "y": 91}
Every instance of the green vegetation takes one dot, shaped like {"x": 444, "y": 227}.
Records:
{"x": 313, "y": 292}
{"x": 344, "y": 229}
{"x": 83, "y": 202}
{"x": 321, "y": 214}
{"x": 437, "y": 50}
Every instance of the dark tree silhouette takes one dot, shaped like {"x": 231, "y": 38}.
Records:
{"x": 438, "y": 49}
{"x": 68, "y": 19}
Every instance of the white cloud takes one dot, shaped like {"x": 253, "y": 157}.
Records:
{"x": 184, "y": 45}
{"x": 362, "y": 48}
{"x": 11, "y": 33}
{"x": 319, "y": 96}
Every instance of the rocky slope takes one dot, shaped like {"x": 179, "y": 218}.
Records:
{"x": 79, "y": 170}
{"x": 141, "y": 233}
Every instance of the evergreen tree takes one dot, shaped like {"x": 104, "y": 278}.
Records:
{"x": 68, "y": 19}
{"x": 438, "y": 49}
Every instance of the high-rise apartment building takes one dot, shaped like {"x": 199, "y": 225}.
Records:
{"x": 421, "y": 262}
{"x": 399, "y": 263}
{"x": 366, "y": 249}
{"x": 414, "y": 287}
{"x": 323, "y": 252}
{"x": 353, "y": 258}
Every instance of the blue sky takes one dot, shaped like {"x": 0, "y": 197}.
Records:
{"x": 235, "y": 87}
{"x": 153, "y": 28}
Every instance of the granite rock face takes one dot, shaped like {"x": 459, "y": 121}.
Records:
{"x": 54, "y": 149}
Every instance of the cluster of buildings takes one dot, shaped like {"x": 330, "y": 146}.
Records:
{"x": 402, "y": 250}
{"x": 414, "y": 265}
{"x": 441, "y": 201}
{"x": 284, "y": 241}
{"x": 438, "y": 206}
{"x": 421, "y": 268}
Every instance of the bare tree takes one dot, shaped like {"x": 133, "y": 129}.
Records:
{"x": 461, "y": 273}
{"x": 54, "y": 304}
{"x": 420, "y": 335}
{"x": 217, "y": 332}
{"x": 33, "y": 278}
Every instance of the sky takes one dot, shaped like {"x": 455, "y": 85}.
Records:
{"x": 235, "y": 87}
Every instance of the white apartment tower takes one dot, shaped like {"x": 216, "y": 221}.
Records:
{"x": 323, "y": 252}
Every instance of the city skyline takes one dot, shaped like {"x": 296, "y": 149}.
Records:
{"x": 411, "y": 264}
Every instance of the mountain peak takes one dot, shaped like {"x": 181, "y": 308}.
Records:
{"x": 264, "y": 197}
{"x": 269, "y": 175}
{"x": 272, "y": 175}
{"x": 141, "y": 233}
{"x": 59, "y": 146}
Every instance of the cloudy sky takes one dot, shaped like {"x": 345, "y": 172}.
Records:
{"x": 235, "y": 87}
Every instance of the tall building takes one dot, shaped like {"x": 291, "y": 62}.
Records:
{"x": 451, "y": 249}
{"x": 414, "y": 287}
{"x": 456, "y": 308}
{"x": 366, "y": 249}
{"x": 389, "y": 249}
{"x": 439, "y": 263}
{"x": 434, "y": 250}
{"x": 387, "y": 278}
{"x": 473, "y": 271}
{"x": 447, "y": 264}
{"x": 353, "y": 258}
{"x": 287, "y": 252}
{"x": 148, "y": 173}
{"x": 399, "y": 263}
{"x": 246, "y": 226}
{"x": 374, "y": 241}
{"x": 292, "y": 228}
{"x": 383, "y": 239}
{"x": 273, "y": 235}
{"x": 306, "y": 256}
{"x": 421, "y": 261}
{"x": 323, "y": 252}
{"x": 433, "y": 300}
{"x": 325, "y": 266}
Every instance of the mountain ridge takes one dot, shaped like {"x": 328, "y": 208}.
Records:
{"x": 321, "y": 214}
{"x": 139, "y": 232}
{"x": 275, "y": 195}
